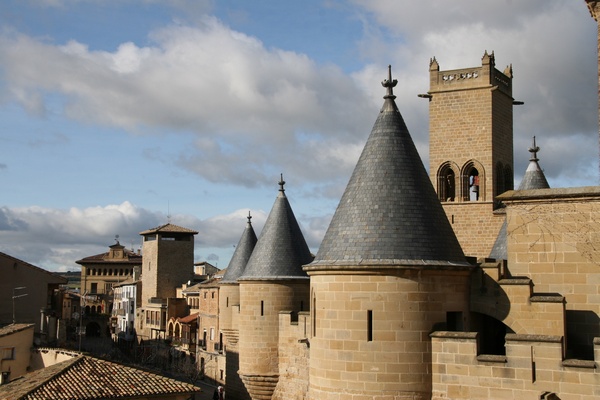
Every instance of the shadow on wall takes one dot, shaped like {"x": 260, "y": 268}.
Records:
{"x": 582, "y": 328}
{"x": 488, "y": 297}
{"x": 235, "y": 386}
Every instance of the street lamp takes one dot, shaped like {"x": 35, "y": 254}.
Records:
{"x": 16, "y": 296}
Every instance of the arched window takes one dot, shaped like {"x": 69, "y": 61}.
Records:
{"x": 473, "y": 181}
{"x": 446, "y": 183}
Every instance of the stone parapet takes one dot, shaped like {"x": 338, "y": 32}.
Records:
{"x": 533, "y": 365}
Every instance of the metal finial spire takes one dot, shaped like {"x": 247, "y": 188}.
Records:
{"x": 249, "y": 218}
{"x": 281, "y": 183}
{"x": 389, "y": 83}
{"x": 117, "y": 239}
{"x": 533, "y": 150}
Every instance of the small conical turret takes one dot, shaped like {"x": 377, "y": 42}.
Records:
{"x": 272, "y": 282}
{"x": 242, "y": 254}
{"x": 281, "y": 249}
{"x": 533, "y": 178}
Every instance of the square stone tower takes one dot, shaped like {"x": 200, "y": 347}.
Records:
{"x": 168, "y": 261}
{"x": 471, "y": 148}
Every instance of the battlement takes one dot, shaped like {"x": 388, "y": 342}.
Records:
{"x": 484, "y": 76}
{"x": 294, "y": 355}
{"x": 533, "y": 365}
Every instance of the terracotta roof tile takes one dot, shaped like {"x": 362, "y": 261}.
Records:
{"x": 188, "y": 319}
{"x": 86, "y": 377}
{"x": 133, "y": 258}
{"x": 13, "y": 328}
{"x": 169, "y": 228}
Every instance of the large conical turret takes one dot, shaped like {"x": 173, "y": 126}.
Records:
{"x": 389, "y": 210}
{"x": 389, "y": 271}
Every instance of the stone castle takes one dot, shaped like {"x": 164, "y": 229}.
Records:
{"x": 445, "y": 284}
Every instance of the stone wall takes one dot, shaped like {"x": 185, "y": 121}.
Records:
{"x": 294, "y": 354}
{"x": 533, "y": 368}
{"x": 476, "y": 226}
{"x": 553, "y": 238}
{"x": 370, "y": 333}
{"x": 261, "y": 302}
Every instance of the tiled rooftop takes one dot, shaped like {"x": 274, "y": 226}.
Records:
{"x": 132, "y": 258}
{"x": 14, "y": 328}
{"x": 169, "y": 228}
{"x": 84, "y": 377}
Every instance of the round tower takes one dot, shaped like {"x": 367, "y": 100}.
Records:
{"x": 229, "y": 289}
{"x": 273, "y": 281}
{"x": 229, "y": 309}
{"x": 389, "y": 272}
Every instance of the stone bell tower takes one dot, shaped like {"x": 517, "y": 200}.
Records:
{"x": 471, "y": 147}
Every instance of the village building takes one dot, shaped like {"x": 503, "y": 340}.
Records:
{"x": 27, "y": 292}
{"x": 100, "y": 272}
{"x": 168, "y": 263}
{"x": 127, "y": 296}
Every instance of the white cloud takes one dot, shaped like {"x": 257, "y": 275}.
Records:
{"x": 256, "y": 111}
{"x": 54, "y": 239}
{"x": 254, "y": 105}
{"x": 552, "y": 53}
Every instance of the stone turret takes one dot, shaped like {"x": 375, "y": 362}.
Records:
{"x": 389, "y": 271}
{"x": 272, "y": 281}
{"x": 229, "y": 308}
{"x": 533, "y": 178}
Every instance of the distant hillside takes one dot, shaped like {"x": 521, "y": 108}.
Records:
{"x": 73, "y": 277}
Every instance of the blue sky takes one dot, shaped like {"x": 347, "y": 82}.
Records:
{"x": 116, "y": 117}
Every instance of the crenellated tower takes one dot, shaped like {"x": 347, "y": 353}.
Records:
{"x": 471, "y": 147}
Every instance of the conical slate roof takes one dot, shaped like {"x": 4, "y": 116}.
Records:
{"x": 281, "y": 250}
{"x": 389, "y": 213}
{"x": 499, "y": 249}
{"x": 533, "y": 178}
{"x": 241, "y": 255}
